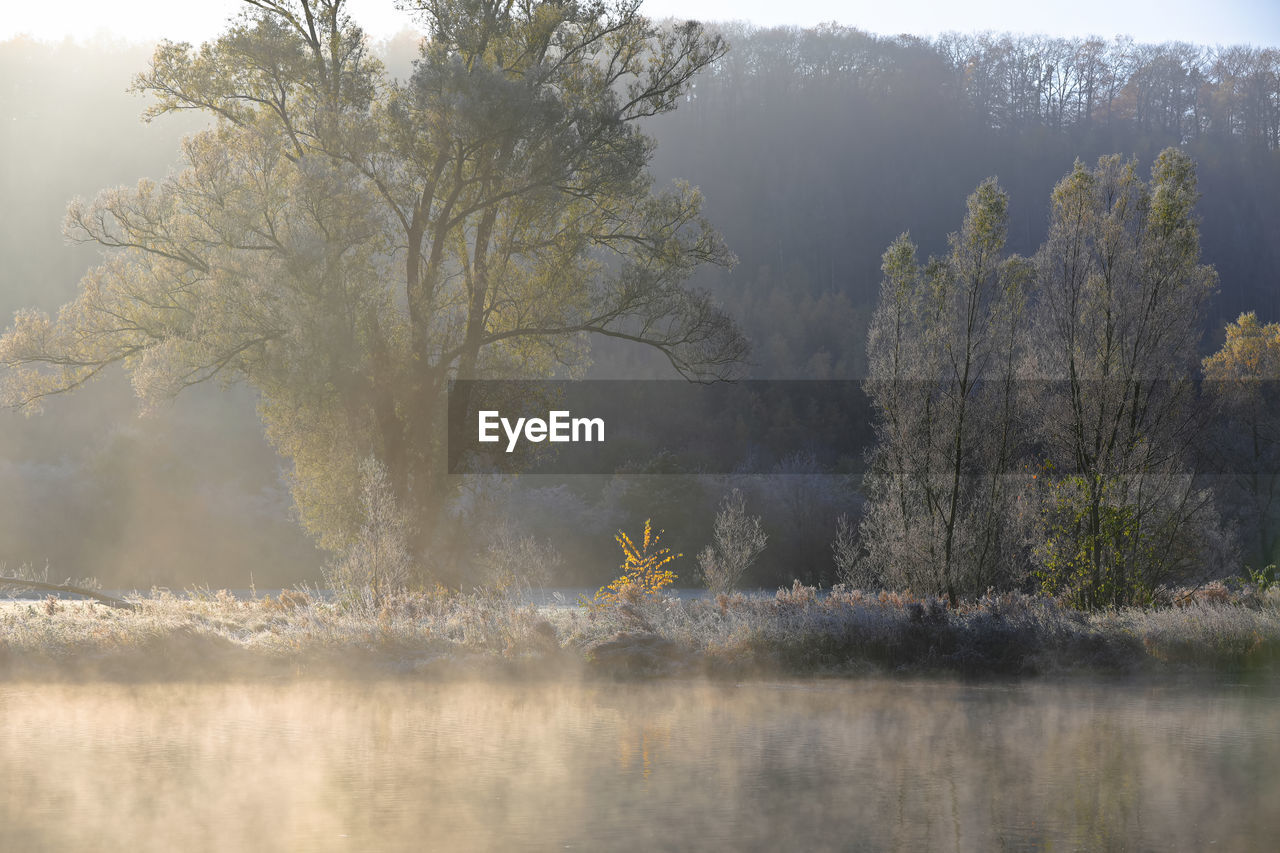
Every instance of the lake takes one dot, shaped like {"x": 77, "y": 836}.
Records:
{"x": 871, "y": 764}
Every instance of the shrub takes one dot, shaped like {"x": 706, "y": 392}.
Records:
{"x": 642, "y": 568}
{"x": 1112, "y": 542}
{"x": 378, "y": 562}
{"x": 851, "y": 568}
{"x": 513, "y": 562}
{"x": 738, "y": 542}
{"x": 797, "y": 596}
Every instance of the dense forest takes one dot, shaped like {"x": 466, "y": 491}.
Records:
{"x": 817, "y": 148}
{"x": 813, "y": 150}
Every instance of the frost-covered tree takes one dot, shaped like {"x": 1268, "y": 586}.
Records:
{"x": 944, "y": 351}
{"x": 1120, "y": 291}
{"x": 738, "y": 541}
{"x": 347, "y": 243}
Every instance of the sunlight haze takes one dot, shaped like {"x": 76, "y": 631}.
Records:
{"x": 639, "y": 425}
{"x": 1229, "y": 22}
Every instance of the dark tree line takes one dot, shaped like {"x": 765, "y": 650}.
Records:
{"x": 1015, "y": 82}
{"x": 815, "y": 148}
{"x": 1178, "y": 90}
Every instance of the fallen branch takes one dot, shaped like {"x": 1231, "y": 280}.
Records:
{"x": 110, "y": 600}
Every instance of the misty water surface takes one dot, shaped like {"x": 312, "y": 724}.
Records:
{"x": 874, "y": 765}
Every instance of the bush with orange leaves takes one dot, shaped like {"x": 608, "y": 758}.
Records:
{"x": 643, "y": 572}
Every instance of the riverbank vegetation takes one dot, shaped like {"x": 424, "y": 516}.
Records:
{"x": 797, "y": 631}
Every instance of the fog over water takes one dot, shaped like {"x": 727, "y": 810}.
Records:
{"x": 864, "y": 765}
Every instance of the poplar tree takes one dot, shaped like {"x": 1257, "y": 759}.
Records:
{"x": 1121, "y": 290}
{"x": 945, "y": 349}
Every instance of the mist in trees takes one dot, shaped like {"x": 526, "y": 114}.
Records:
{"x": 189, "y": 494}
{"x": 347, "y": 244}
{"x": 815, "y": 148}
{"x": 811, "y": 151}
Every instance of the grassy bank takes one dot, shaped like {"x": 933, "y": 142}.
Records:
{"x": 793, "y": 633}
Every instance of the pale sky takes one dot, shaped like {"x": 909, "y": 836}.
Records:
{"x": 1200, "y": 21}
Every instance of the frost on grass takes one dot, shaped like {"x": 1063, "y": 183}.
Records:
{"x": 797, "y": 631}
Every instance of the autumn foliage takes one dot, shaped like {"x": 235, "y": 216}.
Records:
{"x": 643, "y": 571}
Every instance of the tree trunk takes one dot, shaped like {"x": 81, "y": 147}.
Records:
{"x": 110, "y": 600}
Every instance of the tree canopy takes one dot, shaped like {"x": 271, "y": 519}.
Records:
{"x": 1243, "y": 378}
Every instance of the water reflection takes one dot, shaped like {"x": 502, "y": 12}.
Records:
{"x": 863, "y": 765}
